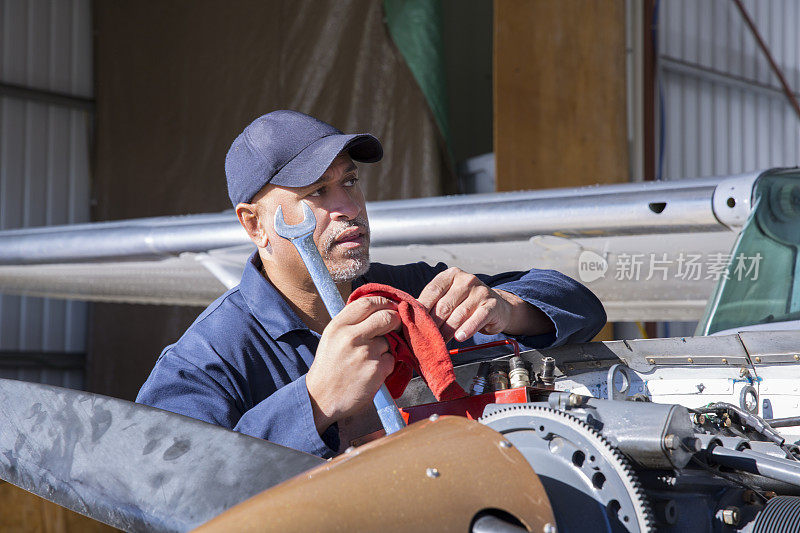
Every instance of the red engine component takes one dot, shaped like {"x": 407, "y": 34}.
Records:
{"x": 472, "y": 406}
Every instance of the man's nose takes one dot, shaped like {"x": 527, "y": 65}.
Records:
{"x": 346, "y": 207}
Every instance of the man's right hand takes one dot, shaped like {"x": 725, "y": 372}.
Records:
{"x": 352, "y": 360}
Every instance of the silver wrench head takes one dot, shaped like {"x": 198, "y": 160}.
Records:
{"x": 295, "y": 231}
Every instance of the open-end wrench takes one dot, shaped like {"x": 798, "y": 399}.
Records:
{"x": 302, "y": 237}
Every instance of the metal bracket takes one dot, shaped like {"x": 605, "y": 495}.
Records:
{"x": 623, "y": 372}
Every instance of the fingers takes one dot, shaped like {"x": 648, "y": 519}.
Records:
{"x": 385, "y": 366}
{"x": 377, "y": 347}
{"x": 446, "y": 307}
{"x": 379, "y": 351}
{"x": 437, "y": 288}
{"x": 456, "y": 318}
{"x": 352, "y": 359}
{"x": 476, "y": 321}
{"x": 359, "y": 310}
{"x": 465, "y": 293}
{"x": 377, "y": 324}
{"x": 447, "y": 291}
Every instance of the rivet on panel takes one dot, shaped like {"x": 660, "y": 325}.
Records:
{"x": 505, "y": 444}
{"x": 758, "y": 359}
{"x": 432, "y": 473}
{"x": 690, "y": 359}
{"x": 724, "y": 361}
{"x": 434, "y": 417}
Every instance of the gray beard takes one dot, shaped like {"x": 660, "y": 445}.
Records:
{"x": 355, "y": 268}
{"x": 356, "y": 262}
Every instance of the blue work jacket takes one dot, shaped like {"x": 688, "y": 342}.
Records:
{"x": 242, "y": 364}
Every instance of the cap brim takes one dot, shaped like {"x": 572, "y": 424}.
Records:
{"x": 307, "y": 166}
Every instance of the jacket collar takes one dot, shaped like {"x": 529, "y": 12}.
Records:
{"x": 268, "y": 305}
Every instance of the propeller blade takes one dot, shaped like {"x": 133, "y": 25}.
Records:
{"x": 131, "y": 466}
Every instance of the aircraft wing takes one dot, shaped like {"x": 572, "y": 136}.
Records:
{"x": 625, "y": 242}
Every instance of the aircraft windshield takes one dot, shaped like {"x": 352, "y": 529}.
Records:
{"x": 762, "y": 281}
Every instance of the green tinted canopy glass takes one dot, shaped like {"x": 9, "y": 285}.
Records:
{"x": 762, "y": 281}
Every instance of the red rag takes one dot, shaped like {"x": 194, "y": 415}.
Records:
{"x": 420, "y": 347}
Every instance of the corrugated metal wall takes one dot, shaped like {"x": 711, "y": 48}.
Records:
{"x": 44, "y": 162}
{"x": 724, "y": 111}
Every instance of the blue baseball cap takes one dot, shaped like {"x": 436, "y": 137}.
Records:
{"x": 291, "y": 149}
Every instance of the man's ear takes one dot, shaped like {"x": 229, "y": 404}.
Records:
{"x": 248, "y": 215}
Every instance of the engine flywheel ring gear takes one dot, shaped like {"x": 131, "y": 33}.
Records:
{"x": 590, "y": 484}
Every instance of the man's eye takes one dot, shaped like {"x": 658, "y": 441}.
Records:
{"x": 351, "y": 182}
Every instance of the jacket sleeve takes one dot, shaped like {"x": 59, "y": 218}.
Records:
{"x": 284, "y": 417}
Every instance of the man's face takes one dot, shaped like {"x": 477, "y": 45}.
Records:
{"x": 342, "y": 232}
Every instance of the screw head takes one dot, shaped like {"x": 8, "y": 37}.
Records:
{"x": 549, "y": 528}
{"x": 672, "y": 442}
{"x": 730, "y": 515}
{"x": 434, "y": 417}
{"x": 758, "y": 359}
{"x": 651, "y": 361}
{"x": 432, "y": 473}
{"x": 350, "y": 449}
{"x": 575, "y": 400}
{"x": 505, "y": 444}
{"x": 724, "y": 361}
{"x": 796, "y": 357}
{"x": 689, "y": 359}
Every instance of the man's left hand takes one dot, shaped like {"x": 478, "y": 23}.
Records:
{"x": 462, "y": 305}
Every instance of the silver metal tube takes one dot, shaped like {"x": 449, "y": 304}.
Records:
{"x": 623, "y": 209}
{"x": 520, "y": 216}
{"x": 756, "y": 463}
{"x": 148, "y": 238}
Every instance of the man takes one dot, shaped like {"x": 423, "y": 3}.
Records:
{"x": 267, "y": 360}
